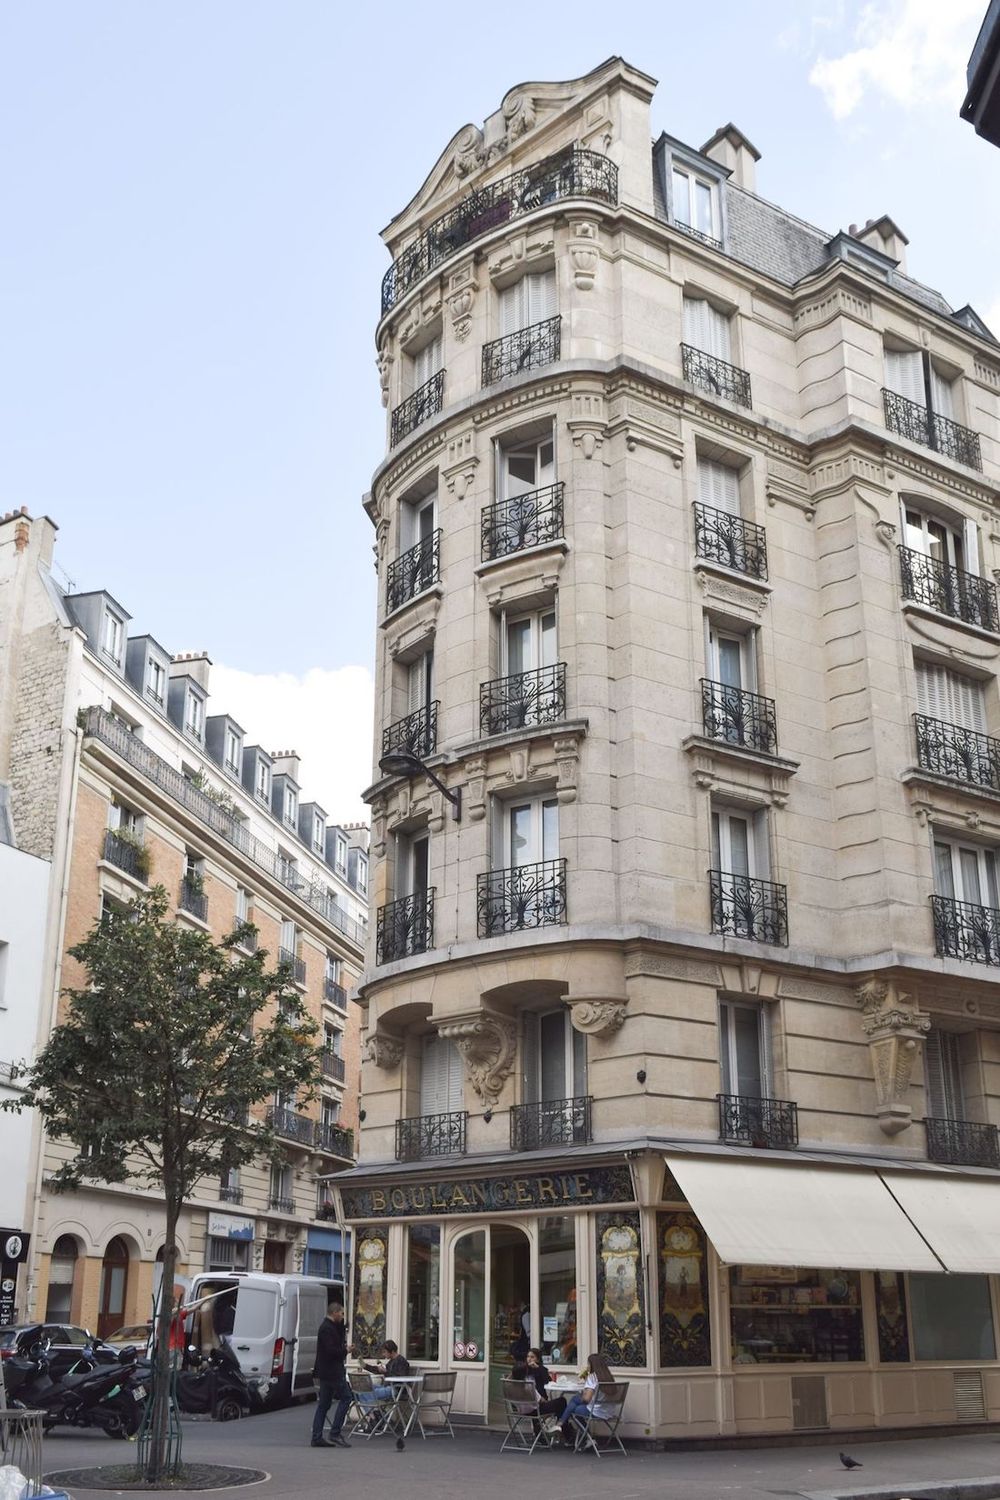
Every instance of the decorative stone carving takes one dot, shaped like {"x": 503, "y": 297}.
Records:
{"x": 597, "y": 1017}
{"x": 739, "y": 599}
{"x": 461, "y": 300}
{"x": 886, "y": 533}
{"x": 385, "y": 1051}
{"x": 521, "y": 251}
{"x": 520, "y": 114}
{"x": 585, "y": 258}
{"x": 469, "y": 151}
{"x": 588, "y": 422}
{"x": 567, "y": 753}
{"x": 384, "y": 361}
{"x": 894, "y": 1028}
{"x": 487, "y": 1042}
{"x": 474, "y": 799}
{"x": 460, "y": 468}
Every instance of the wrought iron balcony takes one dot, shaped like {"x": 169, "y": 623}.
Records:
{"x": 567, "y": 174}
{"x": 737, "y": 717}
{"x": 331, "y": 1065}
{"x": 230, "y": 1195}
{"x": 297, "y": 965}
{"x": 523, "y": 521}
{"x": 431, "y": 1135}
{"x": 523, "y": 700}
{"x": 522, "y": 897}
{"x": 127, "y": 854}
{"x": 709, "y": 373}
{"x": 964, "y": 930}
{"x": 747, "y": 1121}
{"x": 414, "y": 735}
{"x": 425, "y": 402}
{"x": 911, "y": 420}
{"x": 248, "y": 938}
{"x": 552, "y": 1122}
{"x": 746, "y": 907}
{"x": 335, "y": 993}
{"x": 326, "y": 1209}
{"x": 962, "y": 1143}
{"x": 964, "y": 596}
{"x": 413, "y": 572}
{"x": 962, "y": 754}
{"x": 281, "y": 1204}
{"x": 527, "y": 349}
{"x": 292, "y": 1126}
{"x": 697, "y": 234}
{"x": 731, "y": 541}
{"x": 192, "y": 899}
{"x": 335, "y": 1140}
{"x": 405, "y": 927}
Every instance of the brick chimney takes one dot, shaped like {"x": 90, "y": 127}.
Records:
{"x": 885, "y": 236}
{"x": 286, "y": 763}
{"x": 731, "y": 149}
{"x": 196, "y": 664}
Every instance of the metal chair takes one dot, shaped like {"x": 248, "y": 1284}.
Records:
{"x": 437, "y": 1395}
{"x": 370, "y": 1418}
{"x": 525, "y": 1427}
{"x": 610, "y": 1398}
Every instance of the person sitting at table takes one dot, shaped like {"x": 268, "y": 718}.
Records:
{"x": 537, "y": 1372}
{"x": 395, "y": 1364}
{"x": 584, "y": 1404}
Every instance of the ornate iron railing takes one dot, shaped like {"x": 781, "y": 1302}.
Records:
{"x": 408, "y": 575}
{"x": 431, "y": 1135}
{"x": 326, "y": 1210}
{"x": 709, "y": 373}
{"x": 567, "y": 174}
{"x": 698, "y": 234}
{"x": 416, "y": 734}
{"x": 746, "y": 907}
{"x": 297, "y": 965}
{"x": 527, "y": 349}
{"x": 964, "y": 930}
{"x": 911, "y": 420}
{"x": 335, "y": 1140}
{"x": 281, "y": 1204}
{"x": 331, "y": 1065}
{"x": 551, "y": 1122}
{"x": 335, "y": 993}
{"x": 230, "y": 1195}
{"x": 964, "y": 596}
{"x": 737, "y": 717}
{"x": 521, "y": 897}
{"x": 248, "y": 938}
{"x": 193, "y": 899}
{"x": 523, "y": 521}
{"x": 112, "y": 732}
{"x": 128, "y": 855}
{"x": 405, "y": 927}
{"x": 758, "y": 1122}
{"x": 962, "y": 754}
{"x": 729, "y": 540}
{"x": 292, "y": 1126}
{"x": 962, "y": 1143}
{"x": 425, "y": 402}
{"x": 523, "y": 700}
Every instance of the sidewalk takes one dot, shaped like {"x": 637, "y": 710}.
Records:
{"x": 440, "y": 1469}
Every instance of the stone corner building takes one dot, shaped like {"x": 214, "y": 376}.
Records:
{"x": 683, "y": 1040}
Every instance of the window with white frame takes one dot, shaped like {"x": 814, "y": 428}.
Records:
{"x": 262, "y": 781}
{"x": 743, "y": 1049}
{"x": 527, "y": 641}
{"x": 955, "y": 543}
{"x": 362, "y": 874}
{"x": 425, "y": 363}
{"x": 914, "y": 376}
{"x": 695, "y": 202}
{"x": 739, "y": 843}
{"x": 731, "y": 657}
{"x": 329, "y": 1112}
{"x": 529, "y": 832}
{"x": 442, "y": 1080}
{"x": 113, "y": 636}
{"x": 965, "y": 872}
{"x": 420, "y": 682}
{"x": 319, "y": 833}
{"x": 340, "y": 859}
{"x": 281, "y": 1190}
{"x": 244, "y": 904}
{"x": 707, "y": 329}
{"x": 334, "y": 967}
{"x": 951, "y": 697}
{"x": 234, "y": 746}
{"x": 289, "y": 939}
{"x": 530, "y": 300}
{"x": 417, "y": 522}
{"x": 125, "y": 820}
{"x": 944, "y": 1096}
{"x": 554, "y": 1057}
{"x": 525, "y": 466}
{"x": 290, "y": 806}
{"x": 413, "y": 863}
{"x": 194, "y": 715}
{"x": 156, "y": 680}
{"x": 719, "y": 485}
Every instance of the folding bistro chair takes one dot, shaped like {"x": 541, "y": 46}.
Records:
{"x": 369, "y": 1418}
{"x": 520, "y": 1405}
{"x": 436, "y": 1396}
{"x": 599, "y": 1434}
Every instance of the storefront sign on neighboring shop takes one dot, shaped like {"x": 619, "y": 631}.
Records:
{"x": 229, "y": 1227}
{"x": 595, "y": 1185}
{"x": 13, "y": 1250}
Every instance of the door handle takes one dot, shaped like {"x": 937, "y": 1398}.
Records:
{"x": 243, "y": 1348}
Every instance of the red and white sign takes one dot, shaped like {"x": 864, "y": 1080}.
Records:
{"x": 459, "y": 1351}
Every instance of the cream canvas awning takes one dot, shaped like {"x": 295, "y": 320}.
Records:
{"x": 958, "y": 1216}
{"x": 778, "y": 1214}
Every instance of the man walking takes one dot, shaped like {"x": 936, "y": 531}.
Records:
{"x": 331, "y": 1378}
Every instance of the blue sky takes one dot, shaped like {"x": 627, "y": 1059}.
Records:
{"x": 190, "y": 268}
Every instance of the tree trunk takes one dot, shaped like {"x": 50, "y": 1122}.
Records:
{"x": 160, "y": 1396}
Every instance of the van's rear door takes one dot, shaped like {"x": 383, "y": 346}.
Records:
{"x": 255, "y": 1327}
{"x": 311, "y": 1303}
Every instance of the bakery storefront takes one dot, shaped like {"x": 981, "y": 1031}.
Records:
{"x": 736, "y": 1293}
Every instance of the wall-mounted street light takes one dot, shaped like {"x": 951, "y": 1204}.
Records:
{"x": 402, "y": 763}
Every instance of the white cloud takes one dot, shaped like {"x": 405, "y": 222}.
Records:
{"x": 910, "y": 52}
{"x": 324, "y": 715}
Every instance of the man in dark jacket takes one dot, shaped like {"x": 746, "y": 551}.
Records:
{"x": 331, "y": 1378}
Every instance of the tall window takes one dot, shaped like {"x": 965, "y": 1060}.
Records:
{"x": 966, "y": 872}
{"x": 943, "y": 1075}
{"x": 442, "y": 1079}
{"x": 114, "y": 635}
{"x": 194, "y": 716}
{"x": 362, "y": 874}
{"x": 156, "y": 680}
{"x": 413, "y": 864}
{"x": 529, "y": 831}
{"x": 695, "y": 202}
{"x": 924, "y": 533}
{"x": 262, "y": 783}
{"x": 527, "y": 642}
{"x": 706, "y": 328}
{"x": 530, "y": 300}
{"x": 289, "y": 937}
{"x": 951, "y": 697}
{"x": 524, "y": 467}
{"x": 234, "y": 746}
{"x": 319, "y": 833}
{"x": 915, "y": 377}
{"x": 743, "y": 1050}
{"x": 423, "y": 1291}
{"x": 420, "y": 682}
{"x": 417, "y": 522}
{"x": 291, "y": 805}
{"x": 555, "y": 1057}
{"x": 739, "y": 843}
{"x": 719, "y": 486}
{"x": 341, "y": 857}
{"x": 731, "y": 658}
{"x": 425, "y": 363}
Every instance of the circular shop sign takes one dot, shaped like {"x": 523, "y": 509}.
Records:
{"x": 13, "y": 1247}
{"x": 472, "y": 1351}
{"x": 459, "y": 1351}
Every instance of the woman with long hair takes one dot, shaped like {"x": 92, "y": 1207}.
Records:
{"x": 585, "y": 1403}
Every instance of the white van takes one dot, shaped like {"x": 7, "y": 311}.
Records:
{"x": 269, "y": 1321}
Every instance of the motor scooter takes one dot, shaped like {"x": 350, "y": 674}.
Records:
{"x": 109, "y": 1396}
{"x": 215, "y": 1384}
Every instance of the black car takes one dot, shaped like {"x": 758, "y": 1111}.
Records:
{"x": 66, "y": 1343}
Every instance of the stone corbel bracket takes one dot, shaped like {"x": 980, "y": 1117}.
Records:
{"x": 487, "y": 1043}
{"x": 588, "y": 422}
{"x": 459, "y": 469}
{"x": 521, "y": 252}
{"x": 584, "y": 254}
{"x": 600, "y": 1018}
{"x": 462, "y": 289}
{"x": 895, "y": 1029}
{"x": 384, "y": 1051}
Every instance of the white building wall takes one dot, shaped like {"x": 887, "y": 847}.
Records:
{"x": 24, "y": 889}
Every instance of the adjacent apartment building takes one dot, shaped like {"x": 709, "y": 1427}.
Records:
{"x": 682, "y": 1018}
{"x": 121, "y": 772}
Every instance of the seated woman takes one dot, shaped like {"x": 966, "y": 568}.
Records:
{"x": 585, "y": 1403}
{"x": 537, "y": 1372}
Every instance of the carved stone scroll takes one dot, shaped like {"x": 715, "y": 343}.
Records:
{"x": 487, "y": 1042}
{"x": 895, "y": 1029}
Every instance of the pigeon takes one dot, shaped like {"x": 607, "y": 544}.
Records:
{"x": 849, "y": 1462}
{"x": 400, "y": 1444}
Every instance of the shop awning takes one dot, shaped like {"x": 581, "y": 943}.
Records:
{"x": 958, "y": 1216}
{"x": 778, "y": 1214}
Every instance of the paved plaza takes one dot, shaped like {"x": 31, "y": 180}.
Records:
{"x": 440, "y": 1469}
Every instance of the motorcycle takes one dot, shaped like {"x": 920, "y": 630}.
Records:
{"x": 107, "y": 1396}
{"x": 216, "y": 1385}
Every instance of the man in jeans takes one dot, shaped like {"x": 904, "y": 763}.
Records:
{"x": 331, "y": 1378}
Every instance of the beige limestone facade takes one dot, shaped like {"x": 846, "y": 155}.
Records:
{"x": 120, "y": 771}
{"x": 687, "y": 537}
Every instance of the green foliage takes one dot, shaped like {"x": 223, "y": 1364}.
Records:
{"x": 220, "y": 798}
{"x": 142, "y": 860}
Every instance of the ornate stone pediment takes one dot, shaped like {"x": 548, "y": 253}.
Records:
{"x": 487, "y": 1042}
{"x": 895, "y": 1028}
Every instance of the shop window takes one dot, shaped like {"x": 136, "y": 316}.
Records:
{"x": 951, "y": 1317}
{"x": 62, "y": 1273}
{"x": 557, "y": 1289}
{"x": 785, "y": 1315}
{"x": 423, "y": 1281}
{"x": 319, "y": 1263}
{"x": 469, "y": 1327}
{"x": 227, "y": 1255}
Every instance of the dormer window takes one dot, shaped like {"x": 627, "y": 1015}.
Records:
{"x": 234, "y": 748}
{"x": 194, "y": 716}
{"x": 696, "y": 204}
{"x": 319, "y": 833}
{"x": 156, "y": 681}
{"x": 362, "y": 875}
{"x": 341, "y": 855}
{"x": 291, "y": 806}
{"x": 113, "y": 637}
{"x": 262, "y": 785}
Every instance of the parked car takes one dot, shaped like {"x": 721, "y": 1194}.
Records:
{"x": 67, "y": 1344}
{"x": 134, "y": 1334}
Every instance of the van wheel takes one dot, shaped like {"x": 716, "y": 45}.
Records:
{"x": 229, "y": 1409}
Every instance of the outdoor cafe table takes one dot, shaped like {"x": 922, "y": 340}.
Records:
{"x": 405, "y": 1387}
{"x": 564, "y": 1387}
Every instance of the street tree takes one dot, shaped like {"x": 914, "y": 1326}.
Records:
{"x": 157, "y": 1070}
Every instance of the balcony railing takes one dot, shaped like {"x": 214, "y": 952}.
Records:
{"x": 527, "y": 349}
{"x": 737, "y": 717}
{"x": 522, "y": 897}
{"x": 249, "y": 939}
{"x": 331, "y": 1065}
{"x": 281, "y": 1204}
{"x": 552, "y": 1122}
{"x": 335, "y": 993}
{"x": 292, "y": 1126}
{"x": 952, "y": 591}
{"x": 326, "y": 1210}
{"x": 522, "y": 521}
{"x": 431, "y": 1135}
{"x": 523, "y": 700}
{"x": 709, "y": 373}
{"x": 296, "y": 964}
{"x": 962, "y": 754}
{"x": 335, "y": 1140}
{"x": 230, "y": 1195}
{"x": 697, "y": 234}
{"x": 746, "y": 907}
{"x": 567, "y": 174}
{"x": 962, "y": 1143}
{"x": 405, "y": 927}
{"x": 126, "y": 854}
{"x": 112, "y": 732}
{"x": 964, "y": 930}
{"x": 192, "y": 899}
{"x": 911, "y": 420}
{"x": 747, "y": 1121}
{"x": 731, "y": 541}
{"x": 425, "y": 402}
{"x": 414, "y": 735}
{"x": 413, "y": 572}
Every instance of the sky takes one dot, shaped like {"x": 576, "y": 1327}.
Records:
{"x": 190, "y": 264}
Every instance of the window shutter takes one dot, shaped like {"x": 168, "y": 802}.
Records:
{"x": 943, "y": 1076}
{"x": 441, "y": 1082}
{"x": 718, "y": 324}
{"x": 719, "y": 486}
{"x": 951, "y": 697}
{"x": 766, "y": 1057}
{"x": 512, "y": 308}
{"x": 942, "y": 394}
{"x": 904, "y": 374}
{"x": 540, "y": 297}
{"x": 970, "y": 546}
{"x": 696, "y": 322}
{"x": 529, "y": 1049}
